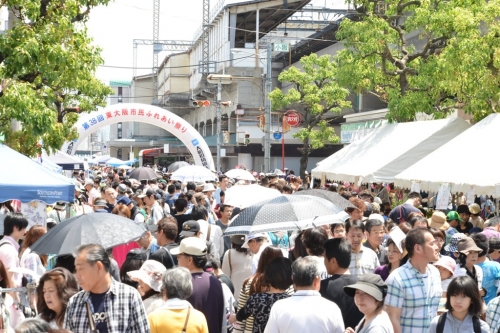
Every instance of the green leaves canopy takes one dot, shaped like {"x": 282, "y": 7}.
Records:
{"x": 47, "y": 66}
{"x": 429, "y": 56}
{"x": 315, "y": 93}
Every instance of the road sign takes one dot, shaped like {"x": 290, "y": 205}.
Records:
{"x": 293, "y": 119}
{"x": 277, "y": 135}
{"x": 281, "y": 47}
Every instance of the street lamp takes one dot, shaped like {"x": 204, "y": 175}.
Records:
{"x": 219, "y": 79}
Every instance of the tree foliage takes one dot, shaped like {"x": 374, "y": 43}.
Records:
{"x": 429, "y": 56}
{"x": 47, "y": 66}
{"x": 315, "y": 93}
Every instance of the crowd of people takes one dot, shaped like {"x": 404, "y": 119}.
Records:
{"x": 389, "y": 267}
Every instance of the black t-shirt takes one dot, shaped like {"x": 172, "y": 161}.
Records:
{"x": 180, "y": 220}
{"x": 467, "y": 226}
{"x": 333, "y": 289}
{"x": 100, "y": 317}
{"x": 224, "y": 278}
{"x": 164, "y": 256}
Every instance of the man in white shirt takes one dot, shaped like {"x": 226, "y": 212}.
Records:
{"x": 210, "y": 232}
{"x": 363, "y": 259}
{"x": 92, "y": 192}
{"x": 306, "y": 310}
{"x": 15, "y": 225}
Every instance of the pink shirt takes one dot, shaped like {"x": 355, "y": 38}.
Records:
{"x": 9, "y": 255}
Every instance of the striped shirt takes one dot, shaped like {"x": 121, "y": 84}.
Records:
{"x": 363, "y": 262}
{"x": 416, "y": 294}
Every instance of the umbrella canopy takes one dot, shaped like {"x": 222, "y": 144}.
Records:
{"x": 436, "y": 168}
{"x": 243, "y": 196}
{"x": 333, "y": 197}
{"x": 286, "y": 212}
{"x": 107, "y": 230}
{"x": 193, "y": 173}
{"x": 143, "y": 173}
{"x": 113, "y": 161}
{"x": 278, "y": 172}
{"x": 177, "y": 165}
{"x": 240, "y": 174}
{"x": 23, "y": 179}
{"x": 124, "y": 167}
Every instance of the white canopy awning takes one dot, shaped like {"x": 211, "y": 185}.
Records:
{"x": 468, "y": 161}
{"x": 390, "y": 149}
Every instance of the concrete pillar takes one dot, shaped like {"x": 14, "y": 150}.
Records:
{"x": 246, "y": 160}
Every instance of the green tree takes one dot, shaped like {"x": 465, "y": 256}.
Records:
{"x": 315, "y": 94}
{"x": 423, "y": 56}
{"x": 47, "y": 66}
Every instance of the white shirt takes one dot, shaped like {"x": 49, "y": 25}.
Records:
{"x": 215, "y": 236}
{"x": 9, "y": 256}
{"x": 305, "y": 311}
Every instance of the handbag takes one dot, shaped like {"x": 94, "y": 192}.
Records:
{"x": 93, "y": 329}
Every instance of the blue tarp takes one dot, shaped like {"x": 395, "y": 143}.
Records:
{"x": 23, "y": 179}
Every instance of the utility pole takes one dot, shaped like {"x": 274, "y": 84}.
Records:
{"x": 267, "y": 142}
{"x": 219, "y": 143}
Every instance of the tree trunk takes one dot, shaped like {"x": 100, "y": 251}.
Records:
{"x": 305, "y": 158}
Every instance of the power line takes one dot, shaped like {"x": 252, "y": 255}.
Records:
{"x": 217, "y": 62}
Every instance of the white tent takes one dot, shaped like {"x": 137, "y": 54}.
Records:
{"x": 67, "y": 162}
{"x": 468, "y": 161}
{"x": 390, "y": 149}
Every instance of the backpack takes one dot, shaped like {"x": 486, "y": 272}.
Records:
{"x": 442, "y": 320}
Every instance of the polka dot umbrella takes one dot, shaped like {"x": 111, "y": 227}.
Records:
{"x": 286, "y": 212}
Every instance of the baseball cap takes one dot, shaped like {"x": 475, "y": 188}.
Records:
{"x": 150, "y": 273}
{"x": 124, "y": 200}
{"x": 238, "y": 239}
{"x": 192, "y": 246}
{"x": 137, "y": 254}
{"x": 447, "y": 262}
{"x": 190, "y": 228}
{"x": 122, "y": 188}
{"x": 453, "y": 215}
{"x": 148, "y": 193}
{"x": 372, "y": 284}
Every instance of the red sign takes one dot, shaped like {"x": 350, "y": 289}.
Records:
{"x": 293, "y": 119}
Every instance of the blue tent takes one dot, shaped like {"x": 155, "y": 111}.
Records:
{"x": 23, "y": 179}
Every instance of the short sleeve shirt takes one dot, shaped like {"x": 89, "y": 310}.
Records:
{"x": 363, "y": 262}
{"x": 418, "y": 299}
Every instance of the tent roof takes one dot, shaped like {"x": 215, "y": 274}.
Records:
{"x": 68, "y": 162}
{"x": 468, "y": 161}
{"x": 388, "y": 150}
{"x": 26, "y": 180}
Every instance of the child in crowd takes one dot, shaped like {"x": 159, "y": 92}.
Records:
{"x": 446, "y": 266}
{"x": 464, "y": 305}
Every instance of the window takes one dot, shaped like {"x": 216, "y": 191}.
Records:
{"x": 119, "y": 134}
{"x": 120, "y": 94}
{"x": 119, "y": 153}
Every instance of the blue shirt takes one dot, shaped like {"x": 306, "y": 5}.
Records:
{"x": 491, "y": 276}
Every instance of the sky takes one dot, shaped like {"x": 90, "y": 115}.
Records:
{"x": 114, "y": 27}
